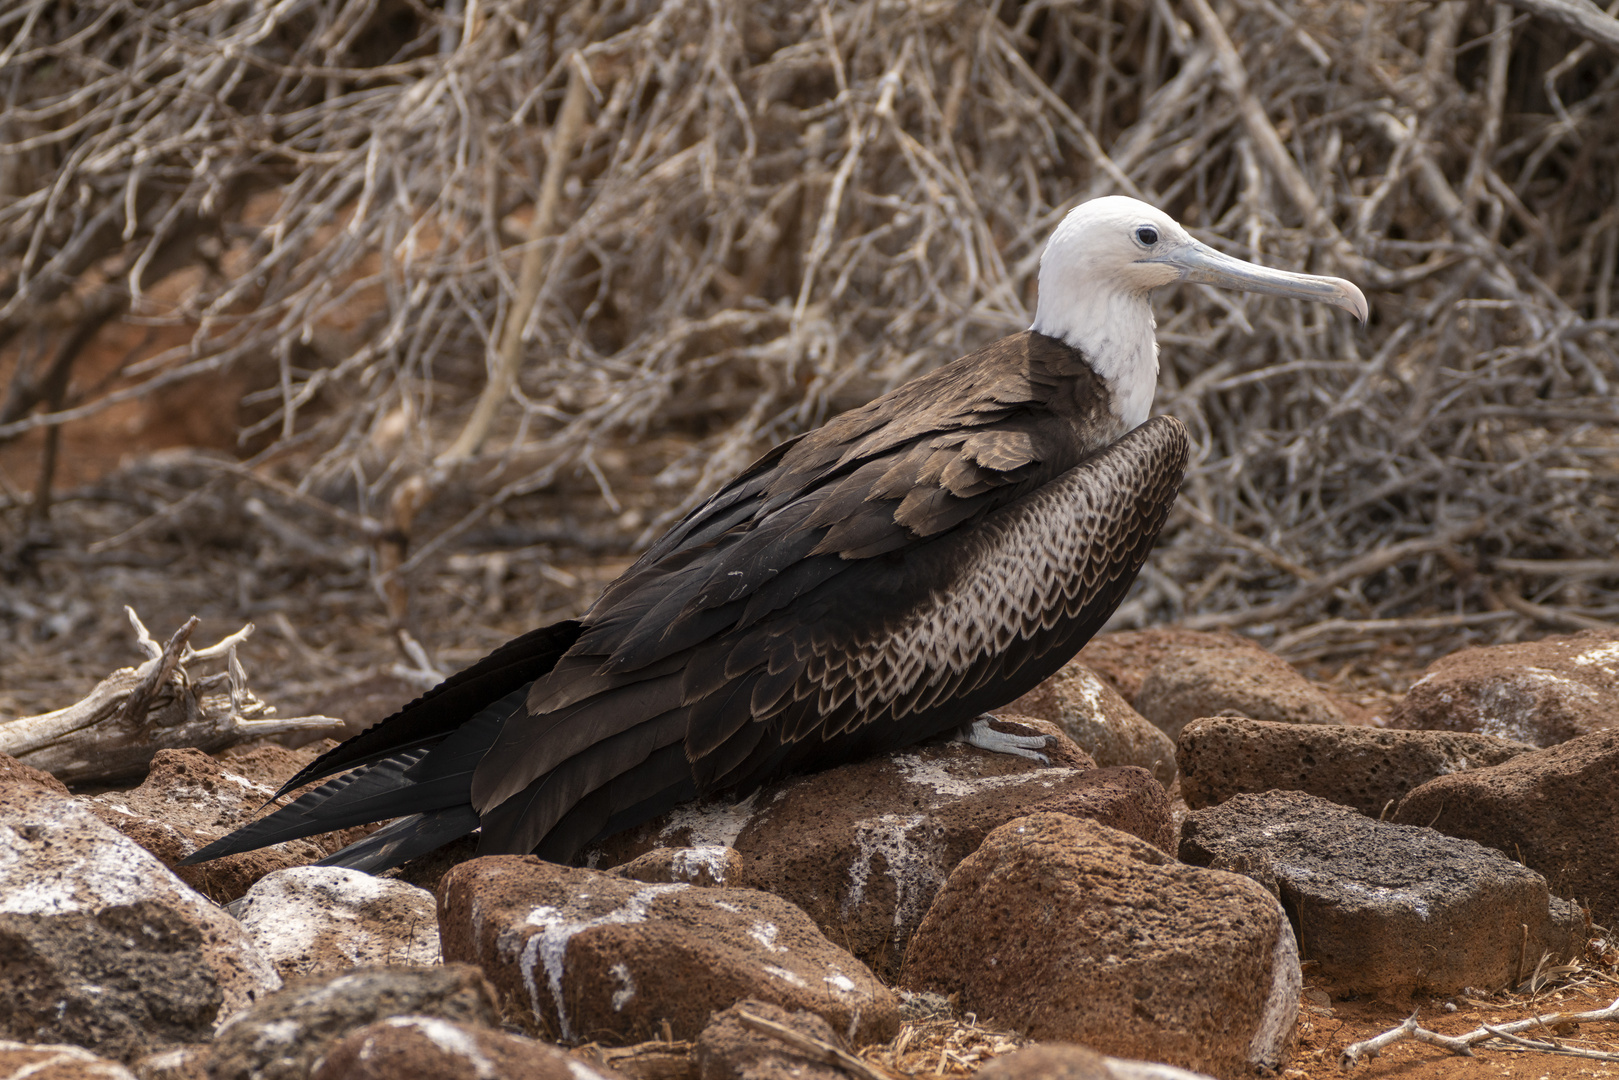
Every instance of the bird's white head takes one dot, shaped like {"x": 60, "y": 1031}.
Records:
{"x": 1108, "y": 254}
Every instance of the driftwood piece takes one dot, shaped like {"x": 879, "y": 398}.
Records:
{"x": 1463, "y": 1044}
{"x": 160, "y": 705}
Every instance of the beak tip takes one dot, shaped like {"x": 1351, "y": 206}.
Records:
{"x": 1354, "y": 301}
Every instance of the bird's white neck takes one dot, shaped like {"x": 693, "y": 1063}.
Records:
{"x": 1113, "y": 328}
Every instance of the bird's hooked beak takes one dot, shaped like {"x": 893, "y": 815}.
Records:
{"x": 1202, "y": 265}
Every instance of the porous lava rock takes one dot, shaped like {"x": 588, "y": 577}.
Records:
{"x": 123, "y": 979}
{"x": 714, "y": 864}
{"x": 13, "y": 771}
{"x": 1541, "y": 692}
{"x": 190, "y": 799}
{"x": 590, "y": 956}
{"x": 1067, "y": 930}
{"x": 104, "y": 945}
{"x": 730, "y": 1049}
{"x": 1381, "y": 908}
{"x": 1065, "y": 1061}
{"x": 426, "y": 871}
{"x": 1126, "y": 657}
{"x": 269, "y": 763}
{"x": 1366, "y": 768}
{"x": 286, "y": 1034}
{"x": 1556, "y": 809}
{"x": 52, "y": 1062}
{"x": 1244, "y": 682}
{"x": 310, "y": 920}
{"x": 431, "y": 1048}
{"x": 1090, "y": 711}
{"x": 863, "y": 848}
{"x": 176, "y": 1063}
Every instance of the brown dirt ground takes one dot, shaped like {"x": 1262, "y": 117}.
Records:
{"x": 936, "y": 1049}
{"x": 1324, "y": 1033}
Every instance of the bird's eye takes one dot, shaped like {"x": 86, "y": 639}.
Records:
{"x": 1147, "y": 235}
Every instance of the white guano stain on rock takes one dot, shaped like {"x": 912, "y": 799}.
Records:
{"x": 626, "y": 985}
{"x": 580, "y": 1071}
{"x": 765, "y": 934}
{"x": 277, "y": 1033}
{"x": 716, "y": 825}
{"x": 549, "y": 947}
{"x": 1090, "y": 692}
{"x": 450, "y": 1039}
{"x": 692, "y": 861}
{"x": 917, "y": 869}
{"x": 935, "y": 775}
{"x": 838, "y": 981}
{"x": 303, "y": 910}
{"x": 792, "y": 978}
{"x": 1604, "y": 656}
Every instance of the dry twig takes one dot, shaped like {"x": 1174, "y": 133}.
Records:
{"x": 775, "y": 212}
{"x": 1463, "y": 1044}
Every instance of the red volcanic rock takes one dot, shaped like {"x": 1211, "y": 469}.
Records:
{"x": 54, "y": 1062}
{"x": 13, "y": 771}
{"x": 1554, "y": 809}
{"x": 708, "y": 866}
{"x": 1366, "y": 768}
{"x": 1125, "y": 658}
{"x": 190, "y": 799}
{"x": 591, "y": 956}
{"x": 430, "y": 1048}
{"x": 311, "y": 920}
{"x": 103, "y": 946}
{"x": 286, "y": 1034}
{"x": 1090, "y": 711}
{"x": 1065, "y": 1061}
{"x": 1066, "y": 929}
{"x": 1381, "y": 908}
{"x": 1244, "y": 682}
{"x": 864, "y": 848}
{"x": 1540, "y": 692}
{"x": 728, "y": 1049}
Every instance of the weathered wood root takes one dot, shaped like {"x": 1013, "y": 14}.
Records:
{"x": 133, "y": 713}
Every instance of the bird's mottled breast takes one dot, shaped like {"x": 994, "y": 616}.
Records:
{"x": 1064, "y": 553}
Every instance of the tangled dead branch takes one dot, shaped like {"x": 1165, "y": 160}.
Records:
{"x": 723, "y": 221}
{"x": 135, "y": 712}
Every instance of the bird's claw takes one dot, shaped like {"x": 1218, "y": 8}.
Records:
{"x": 982, "y": 734}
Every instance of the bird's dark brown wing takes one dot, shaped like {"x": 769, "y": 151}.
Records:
{"x": 811, "y": 635}
{"x": 929, "y": 457}
{"x": 875, "y": 582}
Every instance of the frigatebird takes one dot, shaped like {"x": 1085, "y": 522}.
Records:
{"x": 876, "y": 582}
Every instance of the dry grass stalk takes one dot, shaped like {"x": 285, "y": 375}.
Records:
{"x": 773, "y": 212}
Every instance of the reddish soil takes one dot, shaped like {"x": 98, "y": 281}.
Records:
{"x": 1325, "y": 1032}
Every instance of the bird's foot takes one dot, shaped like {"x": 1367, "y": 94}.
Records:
{"x": 982, "y": 734}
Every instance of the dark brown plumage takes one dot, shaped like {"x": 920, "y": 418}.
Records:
{"x": 878, "y": 581}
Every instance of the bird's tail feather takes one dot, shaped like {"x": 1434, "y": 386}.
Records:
{"x": 661, "y": 782}
{"x": 442, "y": 709}
{"x": 438, "y": 778}
{"x": 402, "y": 840}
